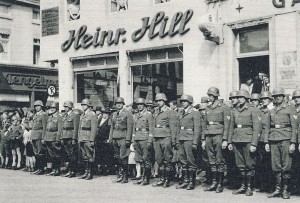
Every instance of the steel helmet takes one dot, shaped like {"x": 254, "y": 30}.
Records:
{"x": 160, "y": 96}
{"x": 266, "y": 94}
{"x": 86, "y": 102}
{"x": 205, "y": 100}
{"x": 54, "y": 105}
{"x": 296, "y": 93}
{"x": 278, "y": 91}
{"x": 140, "y": 101}
{"x": 48, "y": 103}
{"x": 243, "y": 93}
{"x": 203, "y": 106}
{"x": 186, "y": 97}
{"x": 149, "y": 103}
{"x": 213, "y": 91}
{"x": 38, "y": 103}
{"x": 119, "y": 100}
{"x": 68, "y": 104}
{"x": 233, "y": 94}
{"x": 255, "y": 96}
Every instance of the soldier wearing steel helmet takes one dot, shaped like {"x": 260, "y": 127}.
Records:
{"x": 142, "y": 138}
{"x": 165, "y": 132}
{"x": 120, "y": 136}
{"x": 86, "y": 137}
{"x": 214, "y": 139}
{"x": 189, "y": 132}
{"x": 51, "y": 139}
{"x": 281, "y": 142}
{"x": 69, "y": 138}
{"x": 254, "y": 99}
{"x": 38, "y": 131}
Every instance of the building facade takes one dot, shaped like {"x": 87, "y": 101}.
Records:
{"x": 23, "y": 76}
{"x": 139, "y": 48}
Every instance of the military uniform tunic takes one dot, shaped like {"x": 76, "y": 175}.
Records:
{"x": 38, "y": 131}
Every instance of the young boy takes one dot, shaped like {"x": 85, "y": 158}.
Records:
{"x": 15, "y": 132}
{"x": 5, "y": 143}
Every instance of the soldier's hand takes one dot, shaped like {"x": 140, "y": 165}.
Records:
{"x": 173, "y": 144}
{"x": 149, "y": 145}
{"x": 230, "y": 147}
{"x": 203, "y": 144}
{"x": 292, "y": 148}
{"x": 252, "y": 148}
{"x": 224, "y": 144}
{"x": 127, "y": 143}
{"x": 61, "y": 142}
{"x": 74, "y": 142}
{"x": 267, "y": 148}
{"x": 92, "y": 143}
{"x": 43, "y": 142}
{"x": 195, "y": 147}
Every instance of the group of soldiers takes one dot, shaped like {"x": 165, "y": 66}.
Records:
{"x": 250, "y": 138}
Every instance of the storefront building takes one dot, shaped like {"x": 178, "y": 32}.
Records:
{"x": 139, "y": 48}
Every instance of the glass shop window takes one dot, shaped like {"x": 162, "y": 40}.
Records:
{"x": 118, "y": 5}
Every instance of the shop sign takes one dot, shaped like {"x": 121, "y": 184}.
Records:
{"x": 51, "y": 90}
{"x": 281, "y": 3}
{"x": 286, "y": 73}
{"x": 156, "y": 27}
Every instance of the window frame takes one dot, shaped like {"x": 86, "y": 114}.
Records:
{"x": 7, "y": 42}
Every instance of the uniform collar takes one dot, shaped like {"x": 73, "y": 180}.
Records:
{"x": 246, "y": 106}
{"x": 188, "y": 110}
{"x": 164, "y": 108}
{"x": 142, "y": 113}
{"x": 215, "y": 104}
{"x": 282, "y": 106}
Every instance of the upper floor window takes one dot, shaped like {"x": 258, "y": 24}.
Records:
{"x": 119, "y": 5}
{"x": 4, "y": 42}
{"x": 161, "y": 1}
{"x": 36, "y": 51}
{"x": 4, "y": 9}
{"x": 73, "y": 7}
{"x": 36, "y": 15}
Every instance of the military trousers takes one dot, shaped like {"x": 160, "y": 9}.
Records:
{"x": 280, "y": 156}
{"x": 187, "y": 156}
{"x": 143, "y": 153}
{"x": 263, "y": 171}
{"x": 163, "y": 152}
{"x": 53, "y": 150}
{"x": 87, "y": 151}
{"x": 245, "y": 160}
{"x": 215, "y": 153}
{"x": 69, "y": 151}
{"x": 121, "y": 151}
{"x": 38, "y": 149}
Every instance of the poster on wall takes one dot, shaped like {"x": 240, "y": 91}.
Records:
{"x": 286, "y": 74}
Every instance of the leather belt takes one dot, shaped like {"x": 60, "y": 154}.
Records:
{"x": 52, "y": 130}
{"x": 68, "y": 128}
{"x": 37, "y": 128}
{"x": 277, "y": 126}
{"x": 184, "y": 128}
{"x": 215, "y": 123}
{"x": 88, "y": 129}
{"x": 160, "y": 126}
{"x": 242, "y": 126}
{"x": 142, "y": 129}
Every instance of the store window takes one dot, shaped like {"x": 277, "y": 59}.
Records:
{"x": 253, "y": 58}
{"x": 157, "y": 71}
{"x": 118, "y": 5}
{"x": 36, "y": 15}
{"x": 4, "y": 40}
{"x": 161, "y": 1}
{"x": 36, "y": 51}
{"x": 4, "y": 9}
{"x": 73, "y": 9}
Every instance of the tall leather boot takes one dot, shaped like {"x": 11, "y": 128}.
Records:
{"x": 185, "y": 177}
{"x": 90, "y": 173}
{"x": 41, "y": 166}
{"x": 86, "y": 172}
{"x": 214, "y": 183}
{"x": 286, "y": 184}
{"x": 249, "y": 191}
{"x": 168, "y": 177}
{"x": 220, "y": 186}
{"x": 192, "y": 182}
{"x": 72, "y": 170}
{"x": 57, "y": 167}
{"x": 277, "y": 192}
{"x": 146, "y": 176}
{"x": 125, "y": 173}
{"x": 242, "y": 189}
{"x": 161, "y": 179}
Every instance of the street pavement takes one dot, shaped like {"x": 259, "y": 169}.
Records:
{"x": 18, "y": 186}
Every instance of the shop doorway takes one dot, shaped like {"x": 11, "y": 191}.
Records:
{"x": 254, "y": 73}
{"x": 43, "y": 96}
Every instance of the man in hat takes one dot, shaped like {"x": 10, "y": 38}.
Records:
{"x": 214, "y": 139}
{"x": 69, "y": 138}
{"x": 165, "y": 133}
{"x": 39, "y": 126}
{"x": 120, "y": 136}
{"x": 51, "y": 138}
{"x": 142, "y": 137}
{"x": 281, "y": 142}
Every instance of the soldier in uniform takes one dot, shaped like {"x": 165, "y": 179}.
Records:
{"x": 86, "y": 137}
{"x": 190, "y": 128}
{"x": 51, "y": 139}
{"x": 165, "y": 132}
{"x": 142, "y": 137}
{"x": 69, "y": 137}
{"x": 255, "y": 100}
{"x": 120, "y": 136}
{"x": 247, "y": 128}
{"x": 38, "y": 131}
{"x": 215, "y": 138}
{"x": 281, "y": 142}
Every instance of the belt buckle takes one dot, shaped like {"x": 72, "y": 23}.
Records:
{"x": 158, "y": 126}
{"x": 182, "y": 128}
{"x": 277, "y": 126}
{"x": 211, "y": 123}
{"x": 239, "y": 126}
{"x": 136, "y": 129}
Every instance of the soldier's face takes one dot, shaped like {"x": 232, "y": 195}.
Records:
{"x": 119, "y": 106}
{"x": 149, "y": 108}
{"x": 185, "y": 104}
{"x": 52, "y": 110}
{"x": 234, "y": 100}
{"x": 160, "y": 103}
{"x": 202, "y": 111}
{"x": 242, "y": 100}
{"x": 278, "y": 99}
{"x": 84, "y": 107}
{"x": 172, "y": 106}
{"x": 255, "y": 102}
{"x": 37, "y": 108}
{"x": 266, "y": 101}
{"x": 297, "y": 100}
{"x": 140, "y": 107}
{"x": 211, "y": 97}
{"x": 66, "y": 108}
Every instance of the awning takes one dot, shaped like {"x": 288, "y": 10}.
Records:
{"x": 14, "y": 97}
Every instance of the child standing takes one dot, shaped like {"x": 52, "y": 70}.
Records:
{"x": 5, "y": 144}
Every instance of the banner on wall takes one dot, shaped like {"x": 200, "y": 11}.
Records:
{"x": 286, "y": 70}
